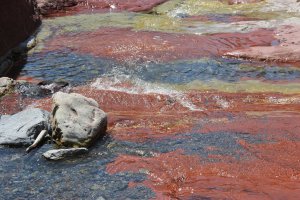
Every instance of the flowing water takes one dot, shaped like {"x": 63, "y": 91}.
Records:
{"x": 187, "y": 120}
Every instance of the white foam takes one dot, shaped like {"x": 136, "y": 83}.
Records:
{"x": 138, "y": 86}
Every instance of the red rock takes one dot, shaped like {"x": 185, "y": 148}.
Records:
{"x": 88, "y": 6}
{"x": 179, "y": 176}
{"x": 288, "y": 51}
{"x": 124, "y": 44}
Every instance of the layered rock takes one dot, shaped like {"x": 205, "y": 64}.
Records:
{"x": 76, "y": 120}
{"x": 63, "y": 7}
{"x": 288, "y": 49}
{"x": 23, "y": 127}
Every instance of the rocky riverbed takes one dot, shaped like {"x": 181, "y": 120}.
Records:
{"x": 202, "y": 100}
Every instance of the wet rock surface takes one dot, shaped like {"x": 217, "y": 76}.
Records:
{"x": 76, "y": 120}
{"x": 22, "y": 128}
{"x": 183, "y": 121}
{"x": 67, "y": 7}
{"x": 59, "y": 154}
{"x": 127, "y": 45}
{"x": 287, "y": 51}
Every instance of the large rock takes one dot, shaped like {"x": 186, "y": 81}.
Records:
{"x": 58, "y": 154}
{"x": 23, "y": 127}
{"x": 76, "y": 120}
{"x": 6, "y": 84}
{"x": 18, "y": 20}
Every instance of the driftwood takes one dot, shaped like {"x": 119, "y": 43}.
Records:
{"x": 37, "y": 141}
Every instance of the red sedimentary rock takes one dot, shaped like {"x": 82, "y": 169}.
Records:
{"x": 287, "y": 51}
{"x": 263, "y": 176}
{"x": 70, "y": 7}
{"x": 124, "y": 44}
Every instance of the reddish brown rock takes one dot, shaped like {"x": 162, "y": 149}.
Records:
{"x": 70, "y": 7}
{"x": 288, "y": 51}
{"x": 124, "y": 44}
{"x": 176, "y": 175}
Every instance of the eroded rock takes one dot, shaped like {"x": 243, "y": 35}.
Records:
{"x": 22, "y": 128}
{"x": 58, "y": 154}
{"x": 6, "y": 84}
{"x": 76, "y": 120}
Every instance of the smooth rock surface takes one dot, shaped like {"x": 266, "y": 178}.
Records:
{"x": 6, "y": 84}
{"x": 76, "y": 120}
{"x": 22, "y": 128}
{"x": 58, "y": 154}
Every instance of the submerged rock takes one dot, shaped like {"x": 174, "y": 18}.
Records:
{"x": 6, "y": 84}
{"x": 58, "y": 154}
{"x": 76, "y": 120}
{"x": 23, "y": 127}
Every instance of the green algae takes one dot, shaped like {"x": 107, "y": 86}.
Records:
{"x": 264, "y": 10}
{"x": 250, "y": 86}
{"x": 204, "y": 7}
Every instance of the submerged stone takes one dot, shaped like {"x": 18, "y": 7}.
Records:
{"x": 76, "y": 120}
{"x": 58, "y": 154}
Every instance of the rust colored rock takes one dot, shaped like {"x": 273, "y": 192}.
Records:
{"x": 70, "y": 7}
{"x": 179, "y": 176}
{"x": 18, "y": 20}
{"x": 124, "y": 44}
{"x": 288, "y": 51}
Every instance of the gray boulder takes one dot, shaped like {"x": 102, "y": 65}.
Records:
{"x": 58, "y": 154}
{"x": 6, "y": 84}
{"x": 22, "y": 128}
{"x": 76, "y": 121}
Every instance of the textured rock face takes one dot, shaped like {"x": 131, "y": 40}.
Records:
{"x": 6, "y": 84}
{"x": 58, "y": 154}
{"x": 23, "y": 127}
{"x": 49, "y": 6}
{"x": 18, "y": 20}
{"x": 76, "y": 120}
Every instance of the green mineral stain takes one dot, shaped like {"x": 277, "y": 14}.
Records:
{"x": 251, "y": 86}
